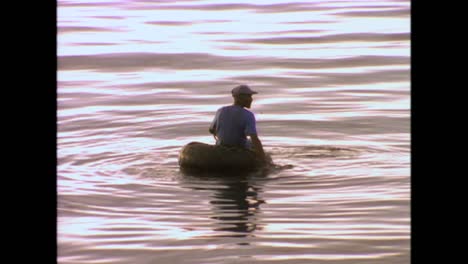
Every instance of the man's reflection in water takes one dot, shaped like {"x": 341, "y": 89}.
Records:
{"x": 235, "y": 205}
{"x": 235, "y": 201}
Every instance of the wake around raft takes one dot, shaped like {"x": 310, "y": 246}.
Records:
{"x": 206, "y": 157}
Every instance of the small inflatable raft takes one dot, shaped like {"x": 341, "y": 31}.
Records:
{"x": 205, "y": 157}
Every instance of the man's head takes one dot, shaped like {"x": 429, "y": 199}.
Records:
{"x": 243, "y": 95}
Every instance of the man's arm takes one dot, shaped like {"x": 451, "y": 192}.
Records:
{"x": 214, "y": 123}
{"x": 258, "y": 147}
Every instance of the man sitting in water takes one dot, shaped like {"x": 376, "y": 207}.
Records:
{"x": 232, "y": 124}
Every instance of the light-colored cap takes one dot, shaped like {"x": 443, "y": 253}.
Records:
{"x": 242, "y": 89}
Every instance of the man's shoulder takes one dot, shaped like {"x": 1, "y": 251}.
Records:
{"x": 248, "y": 112}
{"x": 221, "y": 108}
{"x": 235, "y": 108}
{"x": 231, "y": 108}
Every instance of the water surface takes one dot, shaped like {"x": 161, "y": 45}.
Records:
{"x": 139, "y": 79}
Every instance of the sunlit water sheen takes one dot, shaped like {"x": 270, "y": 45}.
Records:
{"x": 139, "y": 79}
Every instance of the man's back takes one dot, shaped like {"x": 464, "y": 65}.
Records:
{"x": 232, "y": 124}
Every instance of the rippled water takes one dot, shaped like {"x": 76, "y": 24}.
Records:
{"x": 139, "y": 79}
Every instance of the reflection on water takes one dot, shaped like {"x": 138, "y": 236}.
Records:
{"x": 236, "y": 207}
{"x": 234, "y": 200}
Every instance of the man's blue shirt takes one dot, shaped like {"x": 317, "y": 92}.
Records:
{"x": 232, "y": 124}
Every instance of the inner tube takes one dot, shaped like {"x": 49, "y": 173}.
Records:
{"x": 206, "y": 157}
